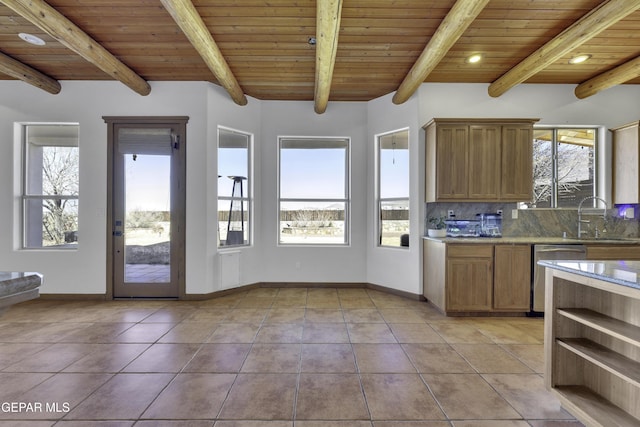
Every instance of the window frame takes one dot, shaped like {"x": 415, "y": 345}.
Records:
{"x": 247, "y": 190}
{"x": 378, "y": 187}
{"x": 347, "y": 188}
{"x": 553, "y": 203}
{"x": 25, "y": 194}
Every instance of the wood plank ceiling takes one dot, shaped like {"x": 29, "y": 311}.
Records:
{"x": 266, "y": 43}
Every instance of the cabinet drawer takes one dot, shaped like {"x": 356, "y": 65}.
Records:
{"x": 470, "y": 251}
{"x": 618, "y": 252}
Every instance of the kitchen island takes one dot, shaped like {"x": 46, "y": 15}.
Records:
{"x": 592, "y": 339}
{"x": 17, "y": 287}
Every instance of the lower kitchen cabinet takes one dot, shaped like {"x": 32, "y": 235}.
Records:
{"x": 469, "y": 277}
{"x": 474, "y": 278}
{"x": 512, "y": 278}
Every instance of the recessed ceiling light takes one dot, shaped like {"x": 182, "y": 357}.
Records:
{"x": 579, "y": 59}
{"x": 30, "y": 38}
{"x": 476, "y": 57}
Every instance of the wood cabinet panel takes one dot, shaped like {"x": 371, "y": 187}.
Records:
{"x": 461, "y": 278}
{"x": 512, "y": 277}
{"x": 469, "y": 277}
{"x": 479, "y": 160}
{"x": 469, "y": 284}
{"x": 470, "y": 251}
{"x": 517, "y": 163}
{"x": 591, "y": 344}
{"x": 613, "y": 252}
{"x": 451, "y": 162}
{"x": 433, "y": 273}
{"x": 430, "y": 163}
{"x": 626, "y": 160}
{"x": 484, "y": 162}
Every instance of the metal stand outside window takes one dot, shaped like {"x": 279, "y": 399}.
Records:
{"x": 236, "y": 237}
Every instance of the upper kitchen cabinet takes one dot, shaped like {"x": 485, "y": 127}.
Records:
{"x": 484, "y": 162}
{"x": 450, "y": 171}
{"x": 479, "y": 160}
{"x": 516, "y": 167}
{"x": 626, "y": 160}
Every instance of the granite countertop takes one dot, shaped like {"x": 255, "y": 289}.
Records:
{"x": 624, "y": 273}
{"x": 12, "y": 282}
{"x": 535, "y": 240}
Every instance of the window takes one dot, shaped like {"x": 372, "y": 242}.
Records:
{"x": 393, "y": 188}
{"x": 564, "y": 170}
{"x": 50, "y": 186}
{"x": 234, "y": 188}
{"x": 314, "y": 191}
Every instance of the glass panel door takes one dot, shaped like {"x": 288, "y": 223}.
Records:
{"x": 145, "y": 184}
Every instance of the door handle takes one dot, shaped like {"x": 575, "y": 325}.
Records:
{"x": 118, "y": 233}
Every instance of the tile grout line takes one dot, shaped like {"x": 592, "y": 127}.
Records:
{"x": 264, "y": 322}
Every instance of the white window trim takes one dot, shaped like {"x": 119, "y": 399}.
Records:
{"x": 379, "y": 200}
{"x": 20, "y": 129}
{"x": 346, "y": 200}
{"x": 599, "y": 174}
{"x": 248, "y": 191}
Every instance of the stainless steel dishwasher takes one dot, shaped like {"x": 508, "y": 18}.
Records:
{"x": 550, "y": 252}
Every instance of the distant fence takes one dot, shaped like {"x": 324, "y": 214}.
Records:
{"x": 223, "y": 216}
{"x": 299, "y": 215}
{"x": 312, "y": 215}
{"x": 395, "y": 215}
{"x": 317, "y": 215}
{"x": 289, "y": 215}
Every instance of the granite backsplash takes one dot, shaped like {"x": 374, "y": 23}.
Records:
{"x": 542, "y": 222}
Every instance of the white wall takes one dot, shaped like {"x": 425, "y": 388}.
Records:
{"x": 552, "y": 104}
{"x": 246, "y": 119}
{"x": 316, "y": 264}
{"x": 397, "y": 268}
{"x": 83, "y": 270}
{"x": 208, "y": 106}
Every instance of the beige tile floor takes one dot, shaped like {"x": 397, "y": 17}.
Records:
{"x": 273, "y": 357}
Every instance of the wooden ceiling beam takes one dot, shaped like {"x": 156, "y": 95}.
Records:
{"x": 461, "y": 15}
{"x": 66, "y": 32}
{"x": 622, "y": 73}
{"x": 20, "y": 71}
{"x": 587, "y": 27}
{"x": 328, "y": 16}
{"x": 194, "y": 28}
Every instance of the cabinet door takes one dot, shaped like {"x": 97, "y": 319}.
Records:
{"x": 512, "y": 279}
{"x": 517, "y": 163}
{"x": 484, "y": 162}
{"x": 469, "y": 284}
{"x": 451, "y": 162}
{"x": 626, "y": 158}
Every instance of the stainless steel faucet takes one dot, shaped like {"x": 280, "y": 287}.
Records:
{"x": 592, "y": 211}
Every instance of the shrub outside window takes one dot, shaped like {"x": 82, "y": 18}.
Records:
{"x": 234, "y": 188}
{"x": 50, "y": 186}
{"x": 393, "y": 188}
{"x": 313, "y": 191}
